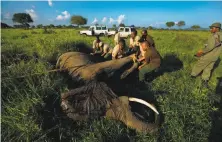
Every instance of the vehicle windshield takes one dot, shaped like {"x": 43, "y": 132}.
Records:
{"x": 98, "y": 28}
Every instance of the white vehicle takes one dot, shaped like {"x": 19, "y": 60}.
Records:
{"x": 96, "y": 30}
{"x": 125, "y": 31}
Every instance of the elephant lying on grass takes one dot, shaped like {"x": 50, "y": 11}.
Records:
{"x": 94, "y": 98}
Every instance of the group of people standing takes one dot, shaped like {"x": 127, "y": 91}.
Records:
{"x": 147, "y": 57}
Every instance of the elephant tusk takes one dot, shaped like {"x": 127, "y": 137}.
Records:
{"x": 145, "y": 103}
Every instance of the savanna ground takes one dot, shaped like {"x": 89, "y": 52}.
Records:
{"x": 30, "y": 108}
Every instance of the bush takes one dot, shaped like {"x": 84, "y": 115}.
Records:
{"x": 48, "y": 31}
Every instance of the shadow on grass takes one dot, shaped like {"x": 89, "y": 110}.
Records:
{"x": 217, "y": 63}
{"x": 216, "y": 116}
{"x": 170, "y": 63}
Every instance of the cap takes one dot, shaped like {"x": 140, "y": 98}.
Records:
{"x": 217, "y": 25}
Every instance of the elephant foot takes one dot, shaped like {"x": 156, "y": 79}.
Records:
{"x": 120, "y": 110}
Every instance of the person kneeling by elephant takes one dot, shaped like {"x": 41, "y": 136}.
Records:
{"x": 100, "y": 48}
{"x": 120, "y": 50}
{"x": 97, "y": 46}
{"x": 150, "y": 61}
{"x": 107, "y": 52}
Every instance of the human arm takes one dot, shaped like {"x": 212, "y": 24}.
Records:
{"x": 210, "y": 44}
{"x": 141, "y": 59}
{"x": 145, "y": 63}
{"x": 115, "y": 52}
{"x": 94, "y": 45}
{"x": 137, "y": 41}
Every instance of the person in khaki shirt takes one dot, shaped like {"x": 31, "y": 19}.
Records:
{"x": 208, "y": 55}
{"x": 116, "y": 37}
{"x": 119, "y": 51}
{"x": 148, "y": 38}
{"x": 97, "y": 46}
{"x": 134, "y": 42}
{"x": 150, "y": 61}
{"x": 107, "y": 52}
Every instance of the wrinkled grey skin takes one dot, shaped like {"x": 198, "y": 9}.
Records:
{"x": 95, "y": 96}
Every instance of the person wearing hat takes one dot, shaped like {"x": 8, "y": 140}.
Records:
{"x": 116, "y": 37}
{"x": 150, "y": 61}
{"x": 97, "y": 46}
{"x": 208, "y": 55}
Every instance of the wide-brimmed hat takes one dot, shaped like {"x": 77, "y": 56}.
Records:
{"x": 217, "y": 25}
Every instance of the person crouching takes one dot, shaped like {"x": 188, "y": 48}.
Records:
{"x": 150, "y": 61}
{"x": 119, "y": 51}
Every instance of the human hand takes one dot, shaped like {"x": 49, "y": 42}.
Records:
{"x": 199, "y": 53}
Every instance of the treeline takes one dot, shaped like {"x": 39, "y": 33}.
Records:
{"x": 40, "y": 26}
{"x": 23, "y": 20}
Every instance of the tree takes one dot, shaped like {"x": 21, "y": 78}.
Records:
{"x": 69, "y": 26}
{"x": 22, "y": 18}
{"x": 114, "y": 26}
{"x": 195, "y": 27}
{"x": 51, "y": 26}
{"x": 180, "y": 24}
{"x": 121, "y": 25}
{"x": 150, "y": 28}
{"x": 3, "y": 25}
{"x": 78, "y": 20}
{"x": 59, "y": 26}
{"x": 170, "y": 24}
{"x": 39, "y": 26}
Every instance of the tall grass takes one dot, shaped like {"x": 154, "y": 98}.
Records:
{"x": 30, "y": 105}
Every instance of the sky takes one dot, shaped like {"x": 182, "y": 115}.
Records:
{"x": 143, "y": 13}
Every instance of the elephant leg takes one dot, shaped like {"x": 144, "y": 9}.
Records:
{"x": 119, "y": 109}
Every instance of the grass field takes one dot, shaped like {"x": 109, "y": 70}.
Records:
{"x": 30, "y": 105}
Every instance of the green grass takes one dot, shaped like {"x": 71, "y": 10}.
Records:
{"x": 30, "y": 105}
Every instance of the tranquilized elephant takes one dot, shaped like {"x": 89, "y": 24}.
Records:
{"x": 94, "y": 98}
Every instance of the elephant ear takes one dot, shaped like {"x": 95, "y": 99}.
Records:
{"x": 90, "y": 99}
